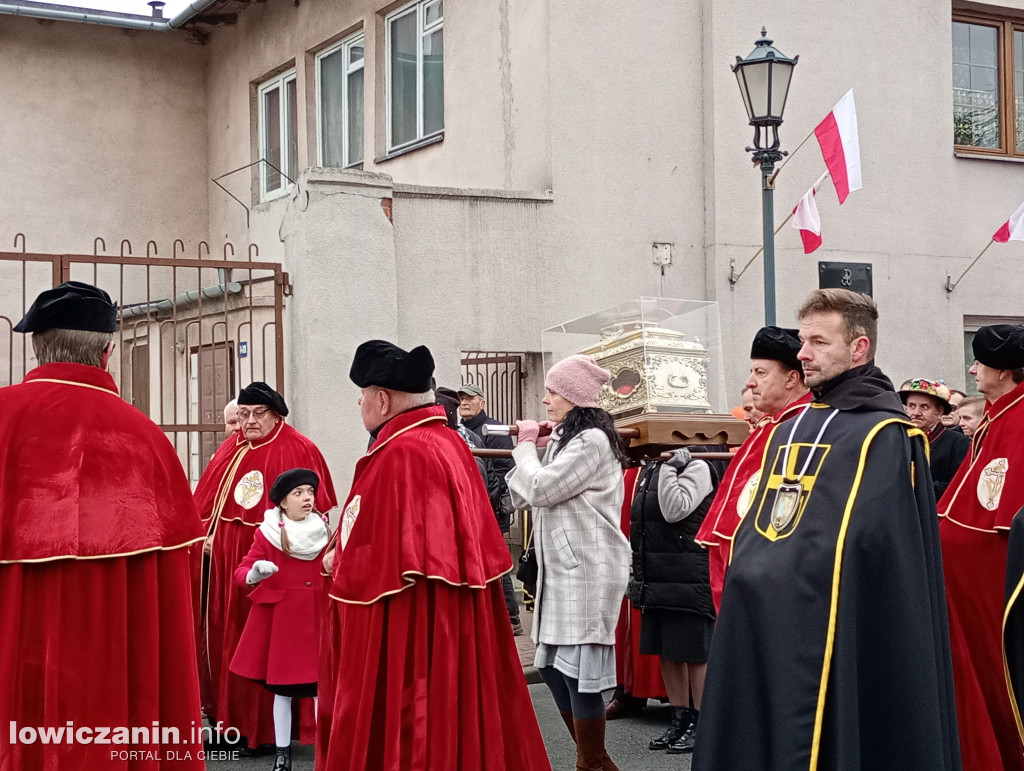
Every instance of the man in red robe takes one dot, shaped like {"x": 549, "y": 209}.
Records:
{"x": 776, "y": 383}
{"x": 232, "y": 496}
{"x": 425, "y": 676}
{"x": 96, "y": 603}
{"x": 976, "y": 512}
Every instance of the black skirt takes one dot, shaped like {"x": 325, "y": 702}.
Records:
{"x": 296, "y": 690}
{"x": 675, "y": 635}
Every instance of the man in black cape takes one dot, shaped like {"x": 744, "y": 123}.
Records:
{"x": 831, "y": 650}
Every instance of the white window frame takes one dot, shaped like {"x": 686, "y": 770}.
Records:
{"x": 280, "y": 82}
{"x": 345, "y": 47}
{"x": 419, "y": 8}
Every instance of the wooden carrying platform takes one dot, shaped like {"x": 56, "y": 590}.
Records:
{"x": 653, "y": 432}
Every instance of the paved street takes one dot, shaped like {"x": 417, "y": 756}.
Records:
{"x": 627, "y": 743}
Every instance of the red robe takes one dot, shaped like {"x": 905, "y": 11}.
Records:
{"x": 283, "y": 631}
{"x": 976, "y": 511}
{"x": 719, "y": 526}
{"x": 426, "y": 674}
{"x": 638, "y": 673}
{"x": 231, "y": 498}
{"x": 96, "y": 604}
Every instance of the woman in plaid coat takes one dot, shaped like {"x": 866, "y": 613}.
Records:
{"x": 575, "y": 493}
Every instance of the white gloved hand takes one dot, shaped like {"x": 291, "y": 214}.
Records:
{"x": 260, "y": 569}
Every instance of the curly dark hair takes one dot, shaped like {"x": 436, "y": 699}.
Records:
{"x": 580, "y": 419}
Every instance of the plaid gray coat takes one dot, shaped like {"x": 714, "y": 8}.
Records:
{"x": 583, "y": 557}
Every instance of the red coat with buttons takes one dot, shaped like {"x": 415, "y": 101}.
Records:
{"x": 280, "y": 642}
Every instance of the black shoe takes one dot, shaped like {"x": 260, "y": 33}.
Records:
{"x": 283, "y": 762}
{"x": 685, "y": 743}
{"x": 678, "y": 726}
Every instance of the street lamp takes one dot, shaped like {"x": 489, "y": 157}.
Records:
{"x": 764, "y": 78}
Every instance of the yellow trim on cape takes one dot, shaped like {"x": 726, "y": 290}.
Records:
{"x": 103, "y": 556}
{"x": 431, "y": 419}
{"x": 410, "y": 576}
{"x": 836, "y": 572}
{"x": 72, "y": 383}
{"x": 1006, "y": 666}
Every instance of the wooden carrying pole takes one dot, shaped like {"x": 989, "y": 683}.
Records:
{"x": 481, "y": 452}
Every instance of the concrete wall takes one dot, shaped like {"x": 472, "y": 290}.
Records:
{"x": 103, "y": 133}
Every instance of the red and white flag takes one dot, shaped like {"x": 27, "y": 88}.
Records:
{"x": 840, "y": 145}
{"x": 1013, "y": 228}
{"x": 807, "y": 220}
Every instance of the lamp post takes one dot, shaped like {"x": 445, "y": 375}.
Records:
{"x": 764, "y": 78}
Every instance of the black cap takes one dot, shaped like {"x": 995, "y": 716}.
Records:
{"x": 777, "y": 344}
{"x": 72, "y": 305}
{"x": 1000, "y": 346}
{"x": 450, "y": 400}
{"x": 261, "y": 393}
{"x": 289, "y": 480}
{"x": 385, "y": 365}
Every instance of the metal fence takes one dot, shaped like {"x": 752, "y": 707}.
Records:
{"x": 191, "y": 331}
{"x": 500, "y": 375}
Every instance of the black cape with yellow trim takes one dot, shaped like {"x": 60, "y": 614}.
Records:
{"x": 831, "y": 650}
{"x": 1013, "y": 618}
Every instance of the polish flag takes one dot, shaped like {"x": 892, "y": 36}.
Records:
{"x": 1013, "y": 228}
{"x": 840, "y": 146}
{"x": 807, "y": 220}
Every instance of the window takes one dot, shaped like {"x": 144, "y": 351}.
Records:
{"x": 415, "y": 80}
{"x": 278, "y": 132}
{"x": 988, "y": 86}
{"x": 339, "y": 88}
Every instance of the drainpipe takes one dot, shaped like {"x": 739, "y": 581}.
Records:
{"x": 192, "y": 9}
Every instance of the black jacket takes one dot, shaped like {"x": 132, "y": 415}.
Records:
{"x": 497, "y": 468}
{"x": 670, "y": 570}
{"x": 948, "y": 450}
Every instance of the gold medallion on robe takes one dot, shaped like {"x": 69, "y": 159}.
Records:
{"x": 348, "y": 519}
{"x": 781, "y": 500}
{"x": 249, "y": 490}
{"x": 991, "y": 481}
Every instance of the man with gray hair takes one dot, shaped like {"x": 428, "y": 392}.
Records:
{"x": 96, "y": 516}
{"x": 231, "y": 421}
{"x": 416, "y": 624}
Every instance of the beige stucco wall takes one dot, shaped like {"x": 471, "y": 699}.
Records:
{"x": 102, "y": 133}
{"x": 923, "y": 213}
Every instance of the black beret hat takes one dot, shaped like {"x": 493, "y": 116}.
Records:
{"x": 261, "y": 393}
{"x": 450, "y": 400}
{"x": 72, "y": 305}
{"x": 382, "y": 364}
{"x": 1000, "y": 346}
{"x": 777, "y": 344}
{"x": 289, "y": 480}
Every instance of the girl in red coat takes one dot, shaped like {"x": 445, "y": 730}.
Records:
{"x": 280, "y": 640}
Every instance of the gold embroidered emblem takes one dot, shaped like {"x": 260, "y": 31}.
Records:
{"x": 746, "y": 496}
{"x": 991, "y": 481}
{"x": 249, "y": 490}
{"x": 348, "y": 519}
{"x": 779, "y": 505}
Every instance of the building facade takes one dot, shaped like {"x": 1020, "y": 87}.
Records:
{"x": 467, "y": 174}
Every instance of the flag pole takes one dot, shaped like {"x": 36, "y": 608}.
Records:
{"x": 951, "y": 285}
{"x": 733, "y": 276}
{"x": 775, "y": 174}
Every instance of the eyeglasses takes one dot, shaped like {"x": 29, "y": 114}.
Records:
{"x": 259, "y": 413}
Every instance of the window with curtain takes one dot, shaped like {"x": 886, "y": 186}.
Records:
{"x": 339, "y": 72}
{"x": 988, "y": 85}
{"x": 415, "y": 76}
{"x": 278, "y": 133}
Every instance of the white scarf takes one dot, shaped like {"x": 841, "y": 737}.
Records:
{"x": 306, "y": 538}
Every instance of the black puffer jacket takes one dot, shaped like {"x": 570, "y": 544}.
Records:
{"x": 670, "y": 570}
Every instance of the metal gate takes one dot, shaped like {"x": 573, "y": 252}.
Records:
{"x": 191, "y": 332}
{"x": 500, "y": 375}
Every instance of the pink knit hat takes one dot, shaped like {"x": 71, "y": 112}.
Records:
{"x": 577, "y": 379}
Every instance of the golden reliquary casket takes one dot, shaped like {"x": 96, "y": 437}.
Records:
{"x": 653, "y": 369}
{"x": 667, "y": 375}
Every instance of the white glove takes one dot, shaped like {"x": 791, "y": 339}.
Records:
{"x": 680, "y": 458}
{"x": 260, "y": 569}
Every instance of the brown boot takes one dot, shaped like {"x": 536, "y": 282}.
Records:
{"x": 590, "y": 749}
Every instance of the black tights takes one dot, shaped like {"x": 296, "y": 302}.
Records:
{"x": 565, "y": 689}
